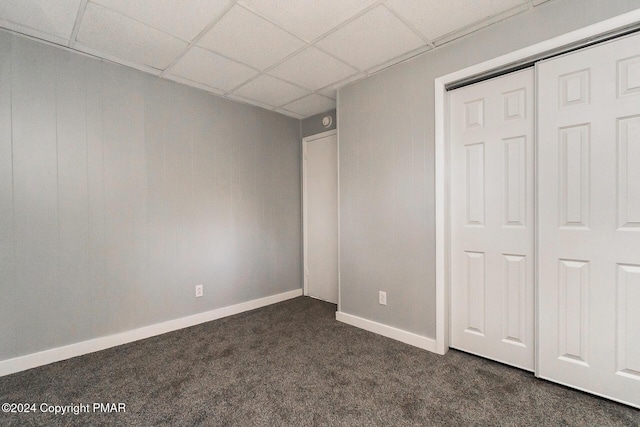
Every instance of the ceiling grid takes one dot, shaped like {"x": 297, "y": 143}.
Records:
{"x": 289, "y": 56}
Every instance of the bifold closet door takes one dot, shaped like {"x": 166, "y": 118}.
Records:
{"x": 492, "y": 218}
{"x": 589, "y": 219}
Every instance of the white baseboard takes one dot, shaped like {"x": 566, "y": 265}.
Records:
{"x": 410, "y": 338}
{"x": 29, "y": 361}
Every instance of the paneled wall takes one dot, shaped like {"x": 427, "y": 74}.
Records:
{"x": 119, "y": 192}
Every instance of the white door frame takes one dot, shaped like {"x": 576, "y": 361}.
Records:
{"x": 442, "y": 167}
{"x": 304, "y": 206}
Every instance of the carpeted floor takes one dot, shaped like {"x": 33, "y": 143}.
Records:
{"x": 293, "y": 364}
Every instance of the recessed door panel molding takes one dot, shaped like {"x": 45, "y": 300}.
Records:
{"x": 475, "y": 184}
{"x": 574, "y": 88}
{"x": 474, "y": 113}
{"x": 575, "y": 176}
{"x": 629, "y": 173}
{"x": 515, "y": 290}
{"x": 515, "y": 173}
{"x": 588, "y": 254}
{"x": 475, "y": 292}
{"x": 515, "y": 104}
{"x": 629, "y": 76}
{"x": 628, "y": 343}
{"x": 492, "y": 202}
{"x": 573, "y": 311}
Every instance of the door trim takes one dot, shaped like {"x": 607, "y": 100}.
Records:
{"x": 304, "y": 206}
{"x": 442, "y": 168}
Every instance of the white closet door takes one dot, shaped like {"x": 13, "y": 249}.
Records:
{"x": 589, "y": 219}
{"x": 492, "y": 219}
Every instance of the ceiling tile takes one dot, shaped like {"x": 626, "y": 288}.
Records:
{"x": 372, "y": 39}
{"x": 211, "y": 69}
{"x": 184, "y": 18}
{"x": 310, "y": 105}
{"x": 45, "y": 16}
{"x": 307, "y": 19}
{"x": 435, "y": 18}
{"x": 244, "y": 36}
{"x": 271, "y": 91}
{"x": 313, "y": 69}
{"x": 113, "y": 33}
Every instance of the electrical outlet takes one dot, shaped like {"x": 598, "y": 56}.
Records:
{"x": 382, "y": 297}
{"x": 199, "y": 291}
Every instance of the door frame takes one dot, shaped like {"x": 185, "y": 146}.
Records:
{"x": 305, "y": 240}
{"x": 442, "y": 157}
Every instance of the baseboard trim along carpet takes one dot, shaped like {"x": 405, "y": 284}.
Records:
{"x": 388, "y": 331}
{"x": 34, "y": 360}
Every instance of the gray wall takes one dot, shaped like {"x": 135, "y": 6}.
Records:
{"x": 313, "y": 125}
{"x": 119, "y": 192}
{"x": 387, "y": 221}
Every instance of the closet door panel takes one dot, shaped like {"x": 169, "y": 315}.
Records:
{"x": 589, "y": 219}
{"x": 492, "y": 221}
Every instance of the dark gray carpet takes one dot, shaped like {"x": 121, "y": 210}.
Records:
{"x": 293, "y": 364}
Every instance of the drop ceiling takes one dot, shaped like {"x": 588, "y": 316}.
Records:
{"x": 289, "y": 56}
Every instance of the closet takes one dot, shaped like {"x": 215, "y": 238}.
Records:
{"x": 545, "y": 219}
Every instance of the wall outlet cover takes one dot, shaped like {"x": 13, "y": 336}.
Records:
{"x": 382, "y": 297}
{"x": 199, "y": 291}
